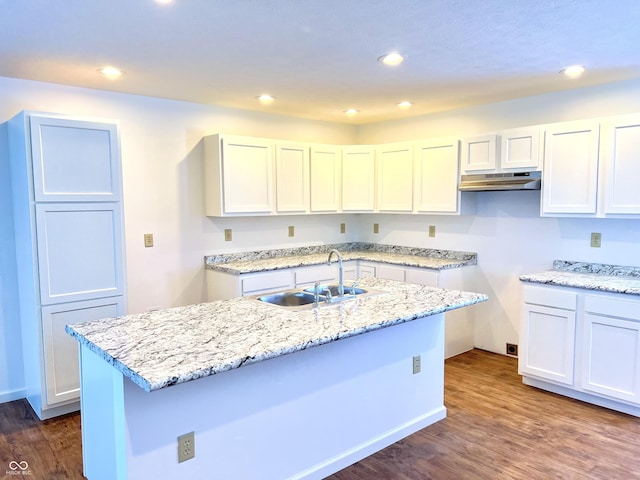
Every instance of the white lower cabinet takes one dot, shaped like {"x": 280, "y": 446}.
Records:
{"x": 547, "y": 335}
{"x": 62, "y": 379}
{"x": 591, "y": 353}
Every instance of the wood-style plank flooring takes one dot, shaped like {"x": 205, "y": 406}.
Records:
{"x": 496, "y": 428}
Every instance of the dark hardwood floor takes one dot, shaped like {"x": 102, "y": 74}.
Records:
{"x": 496, "y": 428}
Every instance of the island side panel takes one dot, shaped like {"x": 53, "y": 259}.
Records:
{"x": 303, "y": 415}
{"x": 103, "y": 418}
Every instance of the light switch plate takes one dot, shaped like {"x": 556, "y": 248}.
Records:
{"x": 227, "y": 235}
{"x": 292, "y": 231}
{"x": 376, "y": 228}
{"x": 148, "y": 240}
{"x": 343, "y": 227}
{"x": 596, "y": 240}
{"x": 432, "y": 230}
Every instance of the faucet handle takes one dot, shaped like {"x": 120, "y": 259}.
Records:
{"x": 328, "y": 294}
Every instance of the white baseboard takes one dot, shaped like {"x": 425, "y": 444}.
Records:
{"x": 12, "y": 395}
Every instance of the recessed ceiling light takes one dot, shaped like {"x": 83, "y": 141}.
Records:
{"x": 164, "y": 2}
{"x": 112, "y": 73}
{"x": 351, "y": 111}
{"x": 266, "y": 99}
{"x": 404, "y": 105}
{"x": 393, "y": 58}
{"x": 574, "y": 71}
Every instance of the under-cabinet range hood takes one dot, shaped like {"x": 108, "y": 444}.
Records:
{"x": 489, "y": 182}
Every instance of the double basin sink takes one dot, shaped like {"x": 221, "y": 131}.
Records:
{"x": 306, "y": 298}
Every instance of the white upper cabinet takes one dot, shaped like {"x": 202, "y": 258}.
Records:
{"x": 292, "y": 178}
{"x": 239, "y": 175}
{"x": 520, "y": 149}
{"x": 436, "y": 176}
{"x": 479, "y": 154}
{"x": 325, "y": 178}
{"x": 74, "y": 160}
{"x": 620, "y": 151}
{"x": 570, "y": 172}
{"x": 358, "y": 178}
{"x": 395, "y": 177}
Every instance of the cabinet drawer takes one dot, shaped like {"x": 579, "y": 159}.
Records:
{"x": 612, "y": 307}
{"x": 316, "y": 274}
{"x": 551, "y": 297}
{"x": 267, "y": 281}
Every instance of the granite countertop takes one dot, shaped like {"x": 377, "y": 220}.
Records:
{"x": 166, "y": 347}
{"x": 590, "y": 276}
{"x": 261, "y": 261}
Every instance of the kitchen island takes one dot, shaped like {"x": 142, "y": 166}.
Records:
{"x": 305, "y": 413}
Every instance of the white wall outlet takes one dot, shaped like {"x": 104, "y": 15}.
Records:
{"x": 417, "y": 364}
{"x": 186, "y": 447}
{"x": 227, "y": 235}
{"x": 596, "y": 240}
{"x": 148, "y": 240}
{"x": 432, "y": 230}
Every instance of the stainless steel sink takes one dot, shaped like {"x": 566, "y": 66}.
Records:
{"x": 288, "y": 299}
{"x": 334, "y": 290}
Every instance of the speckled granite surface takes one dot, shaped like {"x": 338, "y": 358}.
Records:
{"x": 590, "y": 276}
{"x": 265, "y": 260}
{"x": 162, "y": 348}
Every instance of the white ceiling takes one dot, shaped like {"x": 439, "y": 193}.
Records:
{"x": 318, "y": 57}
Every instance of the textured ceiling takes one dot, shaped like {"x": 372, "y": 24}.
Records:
{"x": 318, "y": 57}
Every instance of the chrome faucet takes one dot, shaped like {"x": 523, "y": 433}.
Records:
{"x": 340, "y": 280}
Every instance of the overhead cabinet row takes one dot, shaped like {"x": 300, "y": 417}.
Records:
{"x": 255, "y": 176}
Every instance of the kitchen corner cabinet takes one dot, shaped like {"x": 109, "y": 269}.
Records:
{"x": 66, "y": 185}
{"x": 620, "y": 144}
{"x": 292, "y": 178}
{"x": 358, "y": 178}
{"x": 325, "y": 178}
{"x": 239, "y": 175}
{"x": 570, "y": 172}
{"x": 436, "y": 176}
{"x": 395, "y": 177}
{"x": 583, "y": 344}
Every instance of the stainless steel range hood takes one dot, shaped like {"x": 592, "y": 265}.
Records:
{"x": 488, "y": 182}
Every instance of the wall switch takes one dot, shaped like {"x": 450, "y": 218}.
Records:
{"x": 376, "y": 228}
{"x": 432, "y": 230}
{"x": 148, "y": 240}
{"x": 343, "y": 227}
{"x": 417, "y": 364}
{"x": 596, "y": 240}
{"x": 227, "y": 235}
{"x": 292, "y": 231}
{"x": 186, "y": 447}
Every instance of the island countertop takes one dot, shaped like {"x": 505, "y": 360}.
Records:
{"x": 590, "y": 276}
{"x": 166, "y": 347}
{"x": 266, "y": 260}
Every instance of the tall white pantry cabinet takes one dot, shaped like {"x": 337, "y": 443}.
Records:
{"x": 67, "y": 203}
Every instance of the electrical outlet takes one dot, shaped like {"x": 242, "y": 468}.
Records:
{"x": 186, "y": 447}
{"x": 292, "y": 231}
{"x": 512, "y": 349}
{"x": 227, "y": 235}
{"x": 432, "y": 230}
{"x": 596, "y": 240}
{"x": 343, "y": 227}
{"x": 148, "y": 240}
{"x": 376, "y": 228}
{"x": 417, "y": 364}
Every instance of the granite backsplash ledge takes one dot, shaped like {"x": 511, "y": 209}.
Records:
{"x": 596, "y": 268}
{"x": 217, "y": 259}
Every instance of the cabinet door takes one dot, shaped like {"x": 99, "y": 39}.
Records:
{"x": 366, "y": 271}
{"x": 358, "y": 179}
{"x": 547, "y": 343}
{"x": 80, "y": 253}
{"x": 74, "y": 161}
{"x": 318, "y": 273}
{"x": 395, "y": 178}
{"x": 436, "y": 176}
{"x": 612, "y": 357}
{"x": 292, "y": 178}
{"x": 61, "y": 350}
{"x": 520, "y": 149}
{"x": 479, "y": 153}
{"x": 620, "y": 147}
{"x": 390, "y": 272}
{"x": 422, "y": 276}
{"x": 570, "y": 173}
{"x": 247, "y": 169}
{"x": 325, "y": 179}
{"x": 255, "y": 283}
